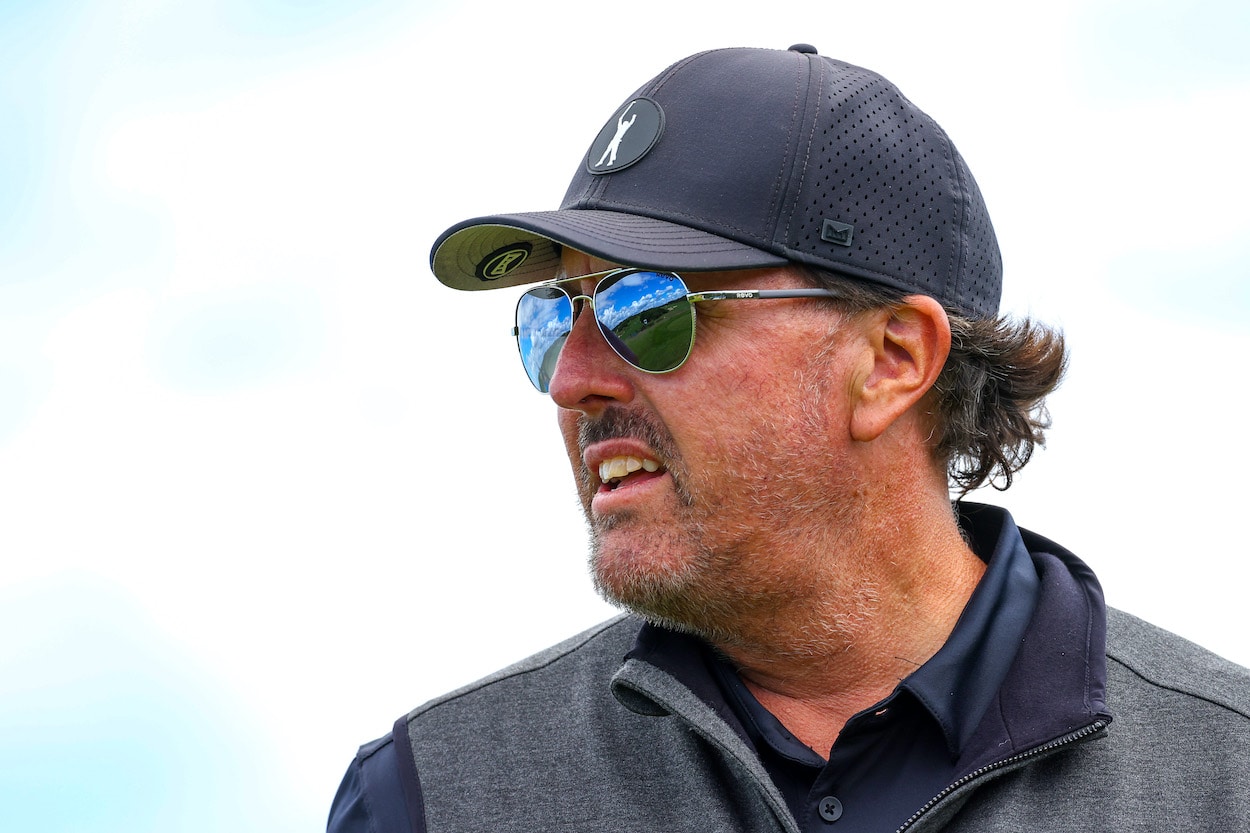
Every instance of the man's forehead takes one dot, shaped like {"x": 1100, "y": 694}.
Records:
{"x": 574, "y": 263}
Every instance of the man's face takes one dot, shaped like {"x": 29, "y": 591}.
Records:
{"x": 697, "y": 484}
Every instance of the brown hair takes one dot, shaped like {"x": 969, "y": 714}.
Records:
{"x": 988, "y": 404}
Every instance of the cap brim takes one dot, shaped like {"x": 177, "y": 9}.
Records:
{"x": 515, "y": 249}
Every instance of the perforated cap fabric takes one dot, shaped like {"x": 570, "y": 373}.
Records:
{"x": 746, "y": 158}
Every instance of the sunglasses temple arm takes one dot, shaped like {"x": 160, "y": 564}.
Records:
{"x": 750, "y": 294}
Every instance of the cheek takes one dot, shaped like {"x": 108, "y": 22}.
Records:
{"x": 767, "y": 380}
{"x": 744, "y": 382}
{"x": 567, "y": 421}
{"x": 733, "y": 372}
{"x": 784, "y": 393}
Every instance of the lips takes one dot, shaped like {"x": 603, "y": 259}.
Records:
{"x": 622, "y": 448}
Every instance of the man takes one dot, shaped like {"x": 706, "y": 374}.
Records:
{"x": 817, "y": 639}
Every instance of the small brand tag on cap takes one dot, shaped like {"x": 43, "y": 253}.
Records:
{"x": 502, "y": 261}
{"x": 627, "y": 137}
{"x": 837, "y": 233}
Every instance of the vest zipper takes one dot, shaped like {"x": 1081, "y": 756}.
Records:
{"x": 1046, "y": 748}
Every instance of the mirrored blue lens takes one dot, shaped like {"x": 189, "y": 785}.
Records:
{"x": 646, "y": 318}
{"x": 544, "y": 317}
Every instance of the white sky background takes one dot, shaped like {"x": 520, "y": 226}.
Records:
{"x": 265, "y": 485}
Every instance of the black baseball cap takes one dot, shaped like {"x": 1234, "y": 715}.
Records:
{"x": 749, "y": 158}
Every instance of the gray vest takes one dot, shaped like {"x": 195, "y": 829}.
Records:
{"x": 576, "y": 739}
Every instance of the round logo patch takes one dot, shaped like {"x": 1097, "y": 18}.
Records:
{"x": 503, "y": 261}
{"x": 627, "y": 137}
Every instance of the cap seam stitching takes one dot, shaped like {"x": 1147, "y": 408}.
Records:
{"x": 798, "y": 193}
{"x": 954, "y": 287}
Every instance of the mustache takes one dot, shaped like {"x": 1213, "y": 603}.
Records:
{"x": 618, "y": 422}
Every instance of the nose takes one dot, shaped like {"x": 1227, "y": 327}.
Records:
{"x": 589, "y": 375}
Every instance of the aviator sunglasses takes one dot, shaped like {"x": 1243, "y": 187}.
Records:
{"x": 646, "y": 316}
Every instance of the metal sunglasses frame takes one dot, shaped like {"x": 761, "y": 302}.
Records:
{"x": 691, "y": 297}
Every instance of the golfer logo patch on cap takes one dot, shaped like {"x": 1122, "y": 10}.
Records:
{"x": 503, "y": 261}
{"x": 627, "y": 137}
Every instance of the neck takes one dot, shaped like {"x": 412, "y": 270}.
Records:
{"x": 878, "y": 610}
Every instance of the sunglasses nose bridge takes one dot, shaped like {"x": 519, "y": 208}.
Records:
{"x": 579, "y": 302}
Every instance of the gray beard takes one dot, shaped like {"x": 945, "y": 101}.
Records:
{"x": 719, "y": 590}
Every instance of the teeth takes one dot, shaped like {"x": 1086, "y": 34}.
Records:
{"x": 614, "y": 468}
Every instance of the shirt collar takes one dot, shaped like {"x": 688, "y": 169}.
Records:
{"x": 959, "y": 682}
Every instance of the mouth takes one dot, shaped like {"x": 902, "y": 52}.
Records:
{"x": 615, "y": 472}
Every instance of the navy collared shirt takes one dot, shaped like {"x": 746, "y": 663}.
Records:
{"x": 890, "y": 759}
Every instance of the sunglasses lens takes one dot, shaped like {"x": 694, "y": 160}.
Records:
{"x": 647, "y": 319}
{"x": 544, "y": 317}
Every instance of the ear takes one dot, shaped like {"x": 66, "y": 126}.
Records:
{"x": 909, "y": 346}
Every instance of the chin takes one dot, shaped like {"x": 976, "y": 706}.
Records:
{"x": 665, "y": 591}
{"x": 636, "y": 577}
